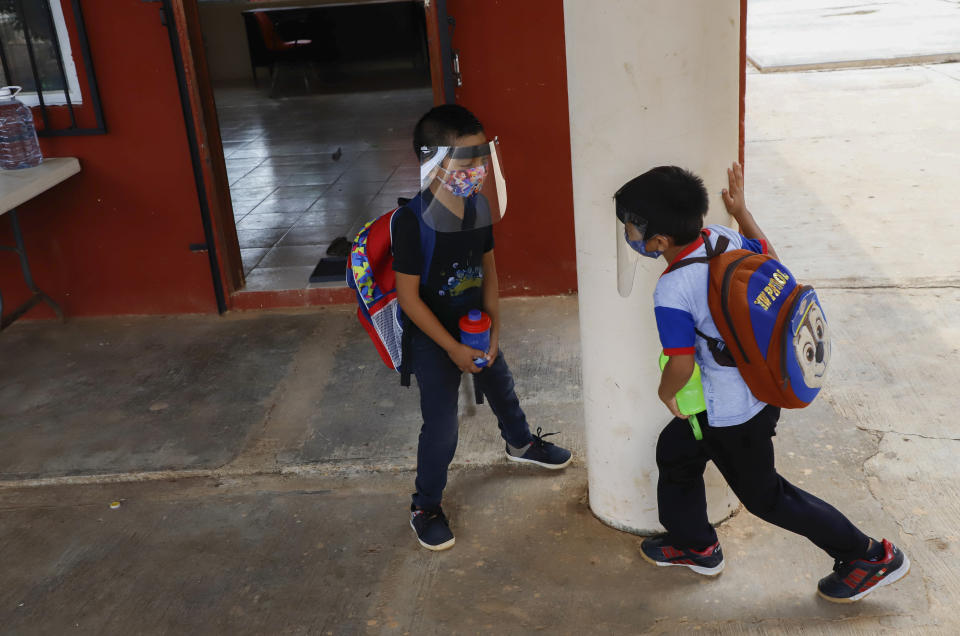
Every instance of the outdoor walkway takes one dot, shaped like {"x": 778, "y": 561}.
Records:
{"x": 784, "y": 35}
{"x": 263, "y": 461}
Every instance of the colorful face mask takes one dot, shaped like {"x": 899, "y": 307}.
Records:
{"x": 463, "y": 182}
{"x": 641, "y": 246}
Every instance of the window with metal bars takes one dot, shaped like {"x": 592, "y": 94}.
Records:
{"x": 44, "y": 50}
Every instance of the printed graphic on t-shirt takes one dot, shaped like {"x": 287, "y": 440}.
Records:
{"x": 453, "y": 282}
{"x": 460, "y": 279}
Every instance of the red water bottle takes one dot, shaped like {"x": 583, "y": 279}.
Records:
{"x": 475, "y": 332}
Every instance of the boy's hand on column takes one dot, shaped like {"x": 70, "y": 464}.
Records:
{"x": 463, "y": 357}
{"x": 733, "y": 197}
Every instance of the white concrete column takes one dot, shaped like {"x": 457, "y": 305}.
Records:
{"x": 650, "y": 83}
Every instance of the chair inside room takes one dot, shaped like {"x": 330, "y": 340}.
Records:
{"x": 268, "y": 47}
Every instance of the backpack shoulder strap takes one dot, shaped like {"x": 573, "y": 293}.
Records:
{"x": 405, "y": 352}
{"x": 687, "y": 261}
{"x": 717, "y": 248}
{"x": 428, "y": 236}
{"x": 712, "y": 250}
{"x": 428, "y": 240}
{"x": 718, "y": 349}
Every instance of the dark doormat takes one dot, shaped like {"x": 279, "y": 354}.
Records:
{"x": 333, "y": 266}
{"x": 330, "y": 269}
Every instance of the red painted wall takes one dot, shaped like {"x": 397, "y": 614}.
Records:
{"x": 114, "y": 239}
{"x": 513, "y": 63}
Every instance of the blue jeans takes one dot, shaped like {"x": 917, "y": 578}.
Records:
{"x": 439, "y": 381}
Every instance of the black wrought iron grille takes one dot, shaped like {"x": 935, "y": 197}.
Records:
{"x": 32, "y": 57}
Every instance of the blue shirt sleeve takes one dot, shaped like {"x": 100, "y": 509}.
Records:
{"x": 754, "y": 245}
{"x": 678, "y": 333}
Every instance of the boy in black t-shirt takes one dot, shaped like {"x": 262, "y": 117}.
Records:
{"x": 460, "y": 275}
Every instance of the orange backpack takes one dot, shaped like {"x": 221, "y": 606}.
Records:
{"x": 773, "y": 327}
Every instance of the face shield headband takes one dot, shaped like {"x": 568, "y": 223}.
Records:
{"x": 635, "y": 220}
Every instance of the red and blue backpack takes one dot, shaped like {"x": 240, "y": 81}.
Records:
{"x": 370, "y": 273}
{"x": 773, "y": 328}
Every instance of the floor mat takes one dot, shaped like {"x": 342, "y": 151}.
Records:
{"x": 330, "y": 269}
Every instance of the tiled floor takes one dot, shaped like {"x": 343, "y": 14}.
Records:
{"x": 305, "y": 170}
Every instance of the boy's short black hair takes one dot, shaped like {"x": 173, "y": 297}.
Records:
{"x": 442, "y": 125}
{"x": 672, "y": 201}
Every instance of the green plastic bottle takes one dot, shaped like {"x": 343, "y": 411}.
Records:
{"x": 690, "y": 397}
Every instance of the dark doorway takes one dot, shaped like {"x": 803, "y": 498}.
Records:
{"x": 316, "y": 119}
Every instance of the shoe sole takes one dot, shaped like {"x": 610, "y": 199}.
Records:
{"x": 893, "y": 577}
{"x": 699, "y": 569}
{"x": 521, "y": 460}
{"x": 446, "y": 545}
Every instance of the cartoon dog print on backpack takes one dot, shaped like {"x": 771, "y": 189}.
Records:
{"x": 811, "y": 342}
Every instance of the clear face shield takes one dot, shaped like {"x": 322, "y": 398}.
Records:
{"x": 462, "y": 187}
{"x": 629, "y": 229}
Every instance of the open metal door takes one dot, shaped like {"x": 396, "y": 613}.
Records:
{"x": 443, "y": 61}
{"x": 182, "y": 18}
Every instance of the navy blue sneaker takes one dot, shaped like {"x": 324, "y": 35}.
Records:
{"x": 432, "y": 528}
{"x": 850, "y": 582}
{"x": 657, "y": 550}
{"x": 541, "y": 453}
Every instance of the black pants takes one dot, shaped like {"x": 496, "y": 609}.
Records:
{"x": 744, "y": 455}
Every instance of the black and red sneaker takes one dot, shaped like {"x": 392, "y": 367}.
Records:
{"x": 657, "y": 550}
{"x": 851, "y": 581}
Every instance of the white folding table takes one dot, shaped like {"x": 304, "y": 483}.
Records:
{"x": 16, "y": 188}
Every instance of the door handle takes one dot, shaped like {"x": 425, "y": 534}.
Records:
{"x": 456, "y": 69}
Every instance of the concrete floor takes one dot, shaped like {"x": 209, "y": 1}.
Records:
{"x": 263, "y": 462}
{"x": 282, "y": 510}
{"x": 815, "y": 34}
{"x": 259, "y": 392}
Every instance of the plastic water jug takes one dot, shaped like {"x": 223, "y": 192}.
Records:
{"x": 690, "y": 398}
{"x": 475, "y": 332}
{"x": 18, "y": 136}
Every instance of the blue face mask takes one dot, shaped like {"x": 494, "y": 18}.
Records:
{"x": 640, "y": 246}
